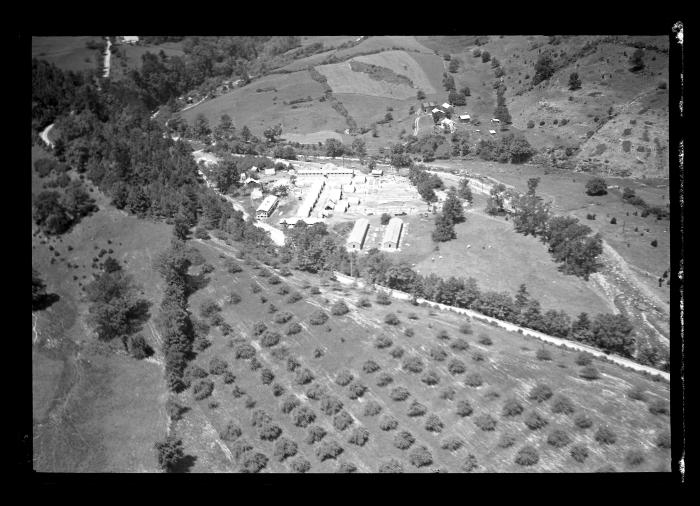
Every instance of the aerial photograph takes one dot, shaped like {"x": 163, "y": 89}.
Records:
{"x": 353, "y": 254}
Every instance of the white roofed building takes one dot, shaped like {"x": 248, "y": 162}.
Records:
{"x": 465, "y": 118}
{"x": 392, "y": 235}
{"x": 266, "y": 207}
{"x": 358, "y": 234}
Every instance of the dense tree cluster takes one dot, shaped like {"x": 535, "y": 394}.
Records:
{"x": 56, "y": 212}
{"x": 508, "y": 148}
{"x": 425, "y": 182}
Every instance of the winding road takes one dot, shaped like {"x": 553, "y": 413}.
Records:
{"x": 45, "y": 136}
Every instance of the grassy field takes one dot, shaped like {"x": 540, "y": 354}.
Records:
{"x": 260, "y": 110}
{"x": 128, "y": 57}
{"x": 508, "y": 369}
{"x": 93, "y": 410}
{"x": 342, "y": 79}
{"x": 404, "y": 64}
{"x": 67, "y": 53}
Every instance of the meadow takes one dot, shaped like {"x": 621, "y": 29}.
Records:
{"x": 68, "y": 53}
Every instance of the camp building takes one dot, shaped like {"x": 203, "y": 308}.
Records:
{"x": 266, "y": 207}
{"x": 357, "y": 237}
{"x": 392, "y": 235}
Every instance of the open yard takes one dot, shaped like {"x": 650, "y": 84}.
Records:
{"x": 348, "y": 382}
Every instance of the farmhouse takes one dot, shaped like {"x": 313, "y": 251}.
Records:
{"x": 129, "y": 39}
{"x": 266, "y": 207}
{"x": 377, "y": 172}
{"x": 448, "y": 125}
{"x": 464, "y": 118}
{"x": 427, "y": 106}
{"x": 494, "y": 120}
{"x": 270, "y": 172}
{"x": 357, "y": 237}
{"x": 392, "y": 234}
{"x": 438, "y": 114}
{"x": 447, "y": 107}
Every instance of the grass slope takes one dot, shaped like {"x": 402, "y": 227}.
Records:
{"x": 67, "y": 53}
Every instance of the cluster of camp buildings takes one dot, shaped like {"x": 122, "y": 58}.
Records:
{"x": 390, "y": 241}
{"x": 442, "y": 117}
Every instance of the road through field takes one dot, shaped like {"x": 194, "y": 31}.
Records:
{"x": 108, "y": 57}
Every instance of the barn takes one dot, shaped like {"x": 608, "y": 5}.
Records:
{"x": 359, "y": 232}
{"x": 392, "y": 235}
{"x": 266, "y": 207}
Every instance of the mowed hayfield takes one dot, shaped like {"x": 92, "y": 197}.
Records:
{"x": 342, "y": 79}
{"x": 260, "y": 110}
{"x": 404, "y": 64}
{"x": 67, "y": 53}
{"x": 94, "y": 411}
{"x": 482, "y": 374}
{"x": 488, "y": 249}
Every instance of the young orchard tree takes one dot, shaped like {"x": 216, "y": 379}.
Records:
{"x": 637, "y": 60}
{"x": 358, "y": 147}
{"x": 574, "y": 81}
{"x": 464, "y": 191}
{"x": 272, "y": 133}
{"x": 444, "y": 229}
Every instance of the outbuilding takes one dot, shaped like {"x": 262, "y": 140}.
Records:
{"x": 266, "y": 207}
{"x": 464, "y": 118}
{"x": 392, "y": 235}
{"x": 359, "y": 232}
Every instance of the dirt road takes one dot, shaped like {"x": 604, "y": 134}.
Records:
{"x": 45, "y": 135}
{"x": 108, "y": 57}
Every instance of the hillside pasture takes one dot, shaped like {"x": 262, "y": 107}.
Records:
{"x": 260, "y": 110}
{"x": 128, "y": 57}
{"x": 342, "y": 79}
{"x": 348, "y": 342}
{"x": 67, "y": 53}
{"x": 404, "y": 64}
{"x": 384, "y": 43}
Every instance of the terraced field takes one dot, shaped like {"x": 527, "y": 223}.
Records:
{"x": 349, "y": 398}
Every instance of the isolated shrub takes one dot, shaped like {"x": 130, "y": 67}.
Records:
{"x": 589, "y": 373}
{"x": 266, "y": 376}
{"x": 209, "y": 308}
{"x": 194, "y": 371}
{"x": 448, "y": 393}
{"x": 318, "y": 317}
{"x": 464, "y": 408}
{"x": 330, "y": 405}
{"x": 343, "y": 420}
{"x": 409, "y": 332}
{"x": 356, "y": 389}
{"x": 303, "y": 416}
{"x": 465, "y": 328}
{"x": 512, "y": 407}
{"x": 433, "y": 423}
{"x": 372, "y": 408}
{"x": 397, "y": 352}
{"x": 403, "y": 440}
{"x": 253, "y": 462}
{"x": 459, "y": 344}
{"x": 391, "y": 319}
{"x": 359, "y": 436}
{"x": 203, "y": 389}
{"x": 485, "y": 422}
{"x": 316, "y": 392}
{"x": 304, "y": 376}
{"x": 346, "y": 467}
{"x": 659, "y": 407}
{"x": 175, "y": 410}
{"x": 138, "y": 347}
{"x": 584, "y": 358}
{"x": 535, "y": 421}
{"x": 456, "y": 366}
{"x": 451, "y": 443}
{"x": 412, "y": 316}
{"x": 387, "y": 423}
{"x": 240, "y": 448}
{"x": 634, "y": 458}
{"x": 282, "y": 317}
{"x": 370, "y": 366}
{"x": 383, "y": 299}
{"x": 344, "y": 377}
{"x": 420, "y": 456}
{"x": 543, "y": 354}
{"x": 269, "y": 431}
{"x": 231, "y": 432}
{"x": 277, "y": 390}
{"x": 485, "y": 340}
{"x": 273, "y": 280}
{"x": 391, "y": 466}
{"x": 259, "y": 329}
{"x": 289, "y": 404}
{"x": 250, "y": 402}
{"x": 506, "y": 441}
{"x": 663, "y": 439}
{"x": 605, "y": 436}
{"x": 237, "y": 392}
{"x": 527, "y": 456}
{"x": 292, "y": 364}
{"x": 477, "y": 356}
{"x": 293, "y": 328}
{"x": 417, "y": 409}
{"x": 255, "y": 364}
{"x": 294, "y": 297}
{"x": 283, "y": 290}
{"x": 474, "y": 380}
{"x": 443, "y": 335}
{"x": 300, "y": 465}
{"x": 438, "y": 354}
{"x": 328, "y": 450}
{"x": 540, "y": 393}
{"x": 430, "y": 378}
{"x": 314, "y": 434}
{"x": 399, "y": 394}
{"x": 583, "y": 421}
{"x": 314, "y": 290}
{"x": 558, "y": 438}
{"x": 413, "y": 364}
{"x": 270, "y": 339}
{"x": 562, "y": 405}
{"x": 637, "y": 393}
{"x": 339, "y": 308}
{"x": 384, "y": 379}
{"x": 531, "y": 124}
{"x": 382, "y": 342}
{"x": 579, "y": 453}
{"x": 364, "y": 302}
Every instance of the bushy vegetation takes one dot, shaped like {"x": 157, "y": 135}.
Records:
{"x": 356, "y": 389}
{"x": 387, "y": 423}
{"x": 344, "y": 377}
{"x": 579, "y": 453}
{"x": 315, "y": 434}
{"x": 318, "y": 317}
{"x": 535, "y": 421}
{"x": 391, "y": 319}
{"x": 456, "y": 366}
{"x": 430, "y": 378}
{"x": 372, "y": 408}
{"x": 303, "y": 376}
{"x": 359, "y": 436}
{"x": 339, "y": 308}
{"x": 203, "y": 389}
{"x": 417, "y": 409}
{"x": 485, "y": 422}
{"x": 589, "y": 372}
{"x": 474, "y": 380}
{"x": 231, "y": 432}
{"x": 459, "y": 344}
{"x": 328, "y": 450}
{"x": 464, "y": 408}
{"x": 659, "y": 407}
{"x": 412, "y": 364}
{"x": 512, "y": 407}
{"x": 382, "y": 342}
{"x": 403, "y": 440}
{"x": 391, "y": 466}
{"x": 370, "y": 366}
{"x": 561, "y": 404}
{"x": 605, "y": 436}
{"x": 420, "y": 456}
{"x": 343, "y": 420}
{"x": 527, "y": 456}
{"x": 399, "y": 394}
{"x": 384, "y": 379}
{"x": 303, "y": 416}
{"x": 540, "y": 393}
{"x": 558, "y": 438}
